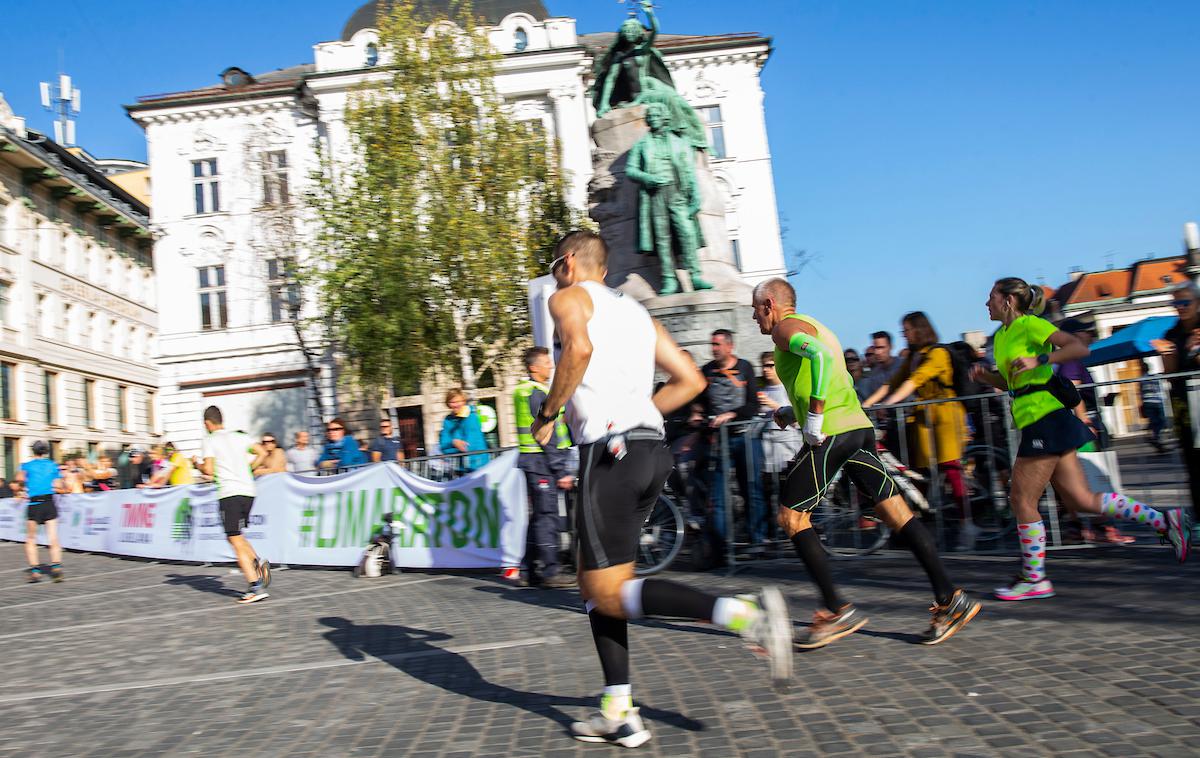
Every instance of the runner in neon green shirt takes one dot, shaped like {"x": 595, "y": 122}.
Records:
{"x": 1025, "y": 347}
{"x": 838, "y": 433}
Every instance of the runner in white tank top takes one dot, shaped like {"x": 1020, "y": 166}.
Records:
{"x": 607, "y": 353}
{"x": 614, "y": 394}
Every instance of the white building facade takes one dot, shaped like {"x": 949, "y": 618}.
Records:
{"x": 225, "y": 159}
{"x": 77, "y": 304}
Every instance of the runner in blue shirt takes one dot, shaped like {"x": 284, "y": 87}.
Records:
{"x": 41, "y": 479}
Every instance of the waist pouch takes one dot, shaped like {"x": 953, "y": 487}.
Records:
{"x": 1063, "y": 391}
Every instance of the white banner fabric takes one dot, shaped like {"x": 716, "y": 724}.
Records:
{"x": 475, "y": 521}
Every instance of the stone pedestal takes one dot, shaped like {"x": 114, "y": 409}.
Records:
{"x": 690, "y": 316}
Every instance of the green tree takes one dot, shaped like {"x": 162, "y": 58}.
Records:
{"x": 429, "y": 230}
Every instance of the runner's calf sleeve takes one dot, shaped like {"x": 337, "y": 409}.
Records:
{"x": 808, "y": 547}
{"x": 659, "y": 597}
{"x": 612, "y": 645}
{"x": 920, "y": 542}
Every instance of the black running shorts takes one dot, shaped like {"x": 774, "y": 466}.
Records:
{"x": 809, "y": 472}
{"x": 615, "y": 496}
{"x": 42, "y": 509}
{"x": 235, "y": 513}
{"x": 1056, "y": 433}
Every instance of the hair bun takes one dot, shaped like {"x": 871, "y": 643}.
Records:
{"x": 1037, "y": 300}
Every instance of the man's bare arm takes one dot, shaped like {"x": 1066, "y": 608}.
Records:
{"x": 571, "y": 310}
{"x": 685, "y": 381}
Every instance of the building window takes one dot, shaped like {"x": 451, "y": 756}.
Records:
{"x": 520, "y": 40}
{"x": 214, "y": 313}
{"x": 206, "y": 185}
{"x": 50, "y": 388}
{"x": 3, "y": 222}
{"x": 8, "y": 374}
{"x": 711, "y": 116}
{"x": 93, "y": 451}
{"x": 150, "y": 412}
{"x": 89, "y": 403}
{"x": 56, "y": 451}
{"x": 12, "y": 447}
{"x": 737, "y": 253}
{"x": 372, "y": 55}
{"x": 122, "y": 404}
{"x": 285, "y": 294}
{"x": 5, "y": 302}
{"x": 275, "y": 178}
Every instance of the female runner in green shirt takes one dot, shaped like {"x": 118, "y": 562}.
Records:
{"x": 1025, "y": 347}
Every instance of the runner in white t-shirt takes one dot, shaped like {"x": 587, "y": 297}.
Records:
{"x": 229, "y": 458}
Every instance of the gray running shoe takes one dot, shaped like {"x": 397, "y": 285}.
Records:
{"x": 771, "y": 633}
{"x": 628, "y": 731}
{"x": 828, "y": 626}
{"x": 264, "y": 572}
{"x": 1179, "y": 532}
{"x": 949, "y": 618}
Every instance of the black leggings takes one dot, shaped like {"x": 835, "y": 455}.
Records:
{"x": 808, "y": 474}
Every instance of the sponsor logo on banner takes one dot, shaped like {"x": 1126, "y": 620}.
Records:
{"x": 181, "y": 528}
{"x": 94, "y": 523}
{"x": 454, "y": 518}
{"x": 137, "y": 523}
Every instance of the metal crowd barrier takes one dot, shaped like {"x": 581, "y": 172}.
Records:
{"x": 439, "y": 468}
{"x": 990, "y": 441}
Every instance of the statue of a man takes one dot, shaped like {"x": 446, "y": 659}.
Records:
{"x": 663, "y": 165}
{"x": 634, "y": 73}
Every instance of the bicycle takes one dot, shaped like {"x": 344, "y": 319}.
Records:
{"x": 661, "y": 538}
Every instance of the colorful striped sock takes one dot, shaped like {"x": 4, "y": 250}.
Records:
{"x": 1033, "y": 550}
{"x": 1117, "y": 505}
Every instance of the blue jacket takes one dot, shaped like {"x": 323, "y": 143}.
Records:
{"x": 467, "y": 429}
{"x": 346, "y": 453}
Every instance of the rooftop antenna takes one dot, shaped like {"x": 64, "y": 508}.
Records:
{"x": 64, "y": 100}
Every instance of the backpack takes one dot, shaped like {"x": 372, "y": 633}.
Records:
{"x": 962, "y": 355}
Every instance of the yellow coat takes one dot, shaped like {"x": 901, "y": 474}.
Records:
{"x": 934, "y": 379}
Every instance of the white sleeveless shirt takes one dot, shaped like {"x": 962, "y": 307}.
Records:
{"x": 614, "y": 395}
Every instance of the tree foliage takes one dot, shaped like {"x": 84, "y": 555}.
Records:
{"x": 442, "y": 210}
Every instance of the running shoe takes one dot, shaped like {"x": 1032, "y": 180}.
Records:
{"x": 56, "y": 573}
{"x": 264, "y": 572}
{"x": 627, "y": 731}
{"x": 770, "y": 633}
{"x": 1024, "y": 589}
{"x": 558, "y": 582}
{"x": 511, "y": 574}
{"x": 949, "y": 618}
{"x": 1179, "y": 529}
{"x": 34, "y": 575}
{"x": 1109, "y": 535}
{"x": 828, "y": 626}
{"x": 253, "y": 595}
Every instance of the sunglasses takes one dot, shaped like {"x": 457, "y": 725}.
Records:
{"x": 768, "y": 365}
{"x": 559, "y": 261}
{"x": 335, "y": 429}
{"x": 1181, "y": 303}
{"x": 268, "y": 442}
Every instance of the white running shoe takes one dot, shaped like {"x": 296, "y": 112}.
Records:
{"x": 1023, "y": 589}
{"x": 771, "y": 633}
{"x": 627, "y": 731}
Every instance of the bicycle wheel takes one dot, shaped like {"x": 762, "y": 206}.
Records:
{"x": 846, "y": 531}
{"x": 987, "y": 476}
{"x": 662, "y": 537}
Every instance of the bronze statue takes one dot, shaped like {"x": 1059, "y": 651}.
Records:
{"x": 663, "y": 164}
{"x": 634, "y": 73}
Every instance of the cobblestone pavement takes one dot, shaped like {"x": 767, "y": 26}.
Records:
{"x": 134, "y": 658}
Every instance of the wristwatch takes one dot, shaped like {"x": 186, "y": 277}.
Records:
{"x": 1043, "y": 359}
{"x": 544, "y": 418}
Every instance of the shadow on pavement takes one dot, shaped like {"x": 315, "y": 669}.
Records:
{"x": 409, "y": 650}
{"x": 203, "y": 583}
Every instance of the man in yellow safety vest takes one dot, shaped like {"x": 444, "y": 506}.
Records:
{"x": 547, "y": 470}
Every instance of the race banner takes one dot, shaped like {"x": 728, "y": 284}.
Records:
{"x": 475, "y": 521}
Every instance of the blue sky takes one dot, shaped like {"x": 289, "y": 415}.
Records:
{"x": 921, "y": 149}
